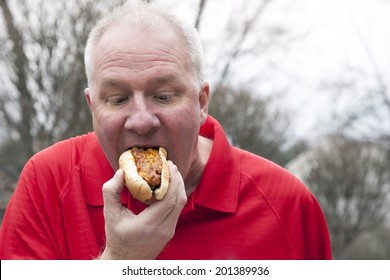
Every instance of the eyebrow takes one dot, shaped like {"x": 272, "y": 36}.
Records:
{"x": 165, "y": 79}
{"x": 159, "y": 80}
{"x": 107, "y": 83}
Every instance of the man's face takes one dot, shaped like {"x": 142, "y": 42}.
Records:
{"x": 144, "y": 95}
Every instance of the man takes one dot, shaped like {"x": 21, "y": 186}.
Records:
{"x": 146, "y": 89}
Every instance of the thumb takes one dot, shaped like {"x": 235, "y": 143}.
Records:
{"x": 112, "y": 190}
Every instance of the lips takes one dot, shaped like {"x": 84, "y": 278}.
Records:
{"x": 144, "y": 146}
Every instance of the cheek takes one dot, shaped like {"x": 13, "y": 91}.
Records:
{"x": 184, "y": 125}
{"x": 107, "y": 127}
{"x": 183, "y": 128}
{"x": 106, "y": 123}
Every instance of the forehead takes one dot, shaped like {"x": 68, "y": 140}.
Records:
{"x": 128, "y": 47}
{"x": 146, "y": 51}
{"x": 142, "y": 41}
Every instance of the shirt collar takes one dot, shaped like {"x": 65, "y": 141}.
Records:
{"x": 219, "y": 186}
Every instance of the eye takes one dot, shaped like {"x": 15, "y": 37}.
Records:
{"x": 117, "y": 100}
{"x": 165, "y": 97}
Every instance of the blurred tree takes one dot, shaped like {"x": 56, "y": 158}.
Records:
{"x": 362, "y": 104}
{"x": 369, "y": 115}
{"x": 370, "y": 245}
{"x": 351, "y": 180}
{"x": 239, "y": 34}
{"x": 231, "y": 41}
{"x": 361, "y": 111}
{"x": 252, "y": 123}
{"x": 42, "y": 79}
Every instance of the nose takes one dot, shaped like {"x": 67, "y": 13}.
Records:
{"x": 141, "y": 117}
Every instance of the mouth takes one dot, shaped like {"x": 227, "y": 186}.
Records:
{"x": 143, "y": 147}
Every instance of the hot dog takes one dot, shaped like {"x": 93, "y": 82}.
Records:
{"x": 146, "y": 172}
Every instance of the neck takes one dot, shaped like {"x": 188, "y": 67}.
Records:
{"x": 204, "y": 149}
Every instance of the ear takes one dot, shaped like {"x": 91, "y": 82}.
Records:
{"x": 204, "y": 98}
{"x": 88, "y": 97}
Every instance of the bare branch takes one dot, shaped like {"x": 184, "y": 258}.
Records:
{"x": 247, "y": 28}
{"x": 202, "y": 4}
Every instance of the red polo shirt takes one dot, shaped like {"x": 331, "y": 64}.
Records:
{"x": 244, "y": 207}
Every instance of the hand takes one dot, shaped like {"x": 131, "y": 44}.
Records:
{"x": 142, "y": 236}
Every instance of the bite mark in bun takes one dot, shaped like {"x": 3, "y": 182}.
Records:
{"x": 146, "y": 172}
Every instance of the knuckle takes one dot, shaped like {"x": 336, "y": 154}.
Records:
{"x": 106, "y": 187}
{"x": 169, "y": 235}
{"x": 182, "y": 200}
{"x": 109, "y": 188}
{"x": 170, "y": 203}
{"x": 109, "y": 215}
{"x": 166, "y": 234}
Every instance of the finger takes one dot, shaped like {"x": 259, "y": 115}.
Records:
{"x": 112, "y": 190}
{"x": 173, "y": 202}
{"x": 180, "y": 194}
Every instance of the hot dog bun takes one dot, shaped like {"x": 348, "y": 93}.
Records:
{"x": 146, "y": 172}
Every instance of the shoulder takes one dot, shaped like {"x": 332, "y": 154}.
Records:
{"x": 56, "y": 162}
{"x": 63, "y": 151}
{"x": 270, "y": 179}
{"x": 272, "y": 189}
{"x": 283, "y": 192}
